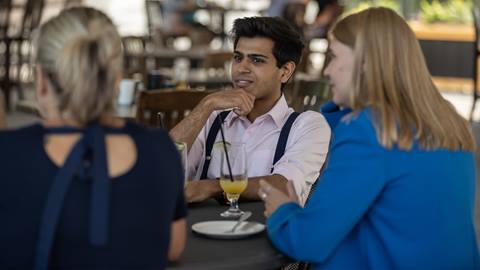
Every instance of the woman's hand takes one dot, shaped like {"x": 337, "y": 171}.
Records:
{"x": 273, "y": 197}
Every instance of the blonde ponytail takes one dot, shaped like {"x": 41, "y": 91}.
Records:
{"x": 81, "y": 51}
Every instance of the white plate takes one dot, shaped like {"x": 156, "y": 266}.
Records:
{"x": 218, "y": 229}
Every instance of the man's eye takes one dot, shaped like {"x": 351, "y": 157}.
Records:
{"x": 237, "y": 58}
{"x": 257, "y": 60}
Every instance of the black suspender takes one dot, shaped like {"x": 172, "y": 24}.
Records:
{"x": 282, "y": 139}
{"x": 212, "y": 135}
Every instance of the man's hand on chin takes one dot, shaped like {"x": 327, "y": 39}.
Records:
{"x": 201, "y": 190}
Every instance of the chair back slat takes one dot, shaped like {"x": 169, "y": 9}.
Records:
{"x": 31, "y": 17}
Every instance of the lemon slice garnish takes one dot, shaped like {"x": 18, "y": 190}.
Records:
{"x": 180, "y": 146}
{"x": 219, "y": 145}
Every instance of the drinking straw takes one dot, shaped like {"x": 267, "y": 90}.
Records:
{"x": 225, "y": 149}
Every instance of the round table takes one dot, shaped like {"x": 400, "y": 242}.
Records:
{"x": 254, "y": 252}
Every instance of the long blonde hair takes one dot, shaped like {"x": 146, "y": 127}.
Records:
{"x": 81, "y": 51}
{"x": 391, "y": 77}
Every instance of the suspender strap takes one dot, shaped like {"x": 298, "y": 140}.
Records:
{"x": 212, "y": 135}
{"x": 282, "y": 139}
{"x": 91, "y": 147}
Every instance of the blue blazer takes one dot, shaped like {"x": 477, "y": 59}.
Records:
{"x": 378, "y": 208}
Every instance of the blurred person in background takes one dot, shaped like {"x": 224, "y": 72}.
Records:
{"x": 179, "y": 20}
{"x": 277, "y": 7}
{"x": 294, "y": 12}
{"x": 398, "y": 190}
{"x": 85, "y": 190}
{"x": 328, "y": 12}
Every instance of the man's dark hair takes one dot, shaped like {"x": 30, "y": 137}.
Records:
{"x": 288, "y": 42}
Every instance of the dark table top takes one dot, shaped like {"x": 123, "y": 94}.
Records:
{"x": 254, "y": 252}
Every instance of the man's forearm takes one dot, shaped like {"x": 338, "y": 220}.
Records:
{"x": 276, "y": 180}
{"x": 187, "y": 130}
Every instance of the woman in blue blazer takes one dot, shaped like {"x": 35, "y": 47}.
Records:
{"x": 398, "y": 190}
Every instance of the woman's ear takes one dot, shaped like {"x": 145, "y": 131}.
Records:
{"x": 41, "y": 82}
{"x": 287, "y": 71}
{"x": 47, "y": 103}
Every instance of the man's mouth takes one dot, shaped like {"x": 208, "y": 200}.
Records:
{"x": 240, "y": 83}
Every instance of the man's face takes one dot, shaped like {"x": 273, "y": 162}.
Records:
{"x": 254, "y": 68}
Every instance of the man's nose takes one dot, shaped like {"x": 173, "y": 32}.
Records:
{"x": 243, "y": 66}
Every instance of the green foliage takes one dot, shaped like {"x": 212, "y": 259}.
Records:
{"x": 393, "y": 4}
{"x": 453, "y": 11}
{"x": 431, "y": 11}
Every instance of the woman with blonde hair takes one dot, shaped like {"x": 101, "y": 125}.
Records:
{"x": 398, "y": 190}
{"x": 85, "y": 190}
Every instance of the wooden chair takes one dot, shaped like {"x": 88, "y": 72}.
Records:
{"x": 309, "y": 95}
{"x": 20, "y": 49}
{"x": 173, "y": 105}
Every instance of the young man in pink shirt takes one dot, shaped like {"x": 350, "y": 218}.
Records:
{"x": 266, "y": 52}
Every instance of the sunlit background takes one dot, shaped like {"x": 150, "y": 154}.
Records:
{"x": 445, "y": 29}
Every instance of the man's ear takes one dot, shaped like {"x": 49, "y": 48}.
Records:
{"x": 287, "y": 71}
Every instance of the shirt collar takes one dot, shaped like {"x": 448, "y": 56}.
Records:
{"x": 277, "y": 113}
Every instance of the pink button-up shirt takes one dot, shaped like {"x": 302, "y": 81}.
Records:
{"x": 305, "y": 152}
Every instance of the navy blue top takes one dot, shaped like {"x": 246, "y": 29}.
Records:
{"x": 143, "y": 203}
{"x": 379, "y": 208}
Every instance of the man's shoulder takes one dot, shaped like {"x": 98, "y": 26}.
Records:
{"x": 309, "y": 118}
{"x": 311, "y": 125}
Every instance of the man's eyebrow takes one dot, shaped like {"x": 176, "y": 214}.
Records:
{"x": 257, "y": 55}
{"x": 252, "y": 54}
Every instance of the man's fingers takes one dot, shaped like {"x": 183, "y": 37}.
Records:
{"x": 246, "y": 104}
